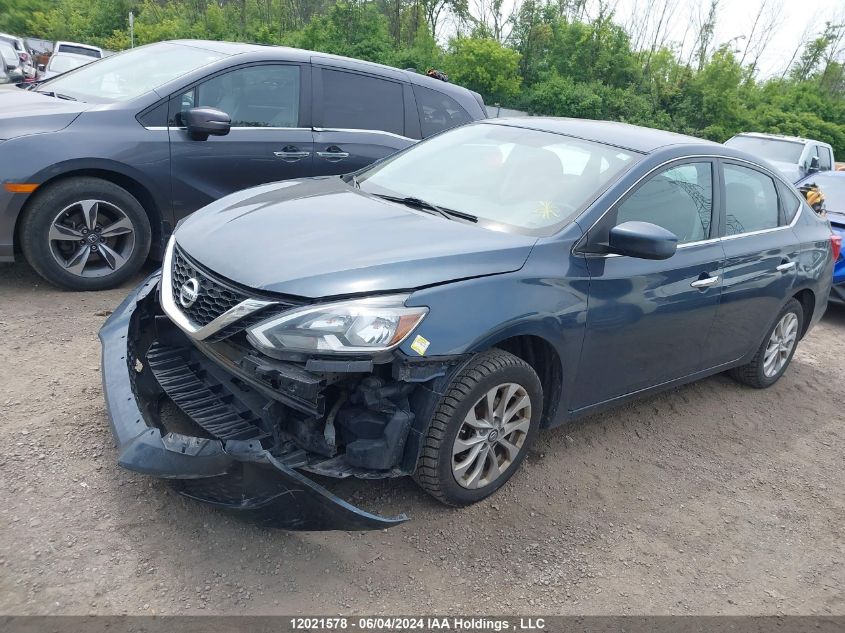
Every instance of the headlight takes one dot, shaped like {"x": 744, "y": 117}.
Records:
{"x": 369, "y": 325}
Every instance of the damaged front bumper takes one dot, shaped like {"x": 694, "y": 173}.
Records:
{"x": 235, "y": 474}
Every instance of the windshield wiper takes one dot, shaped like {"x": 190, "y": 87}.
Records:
{"x": 57, "y": 95}
{"x": 418, "y": 203}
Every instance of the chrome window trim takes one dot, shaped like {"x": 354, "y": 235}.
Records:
{"x": 173, "y": 312}
{"x": 362, "y": 130}
{"x": 710, "y": 157}
{"x": 242, "y": 127}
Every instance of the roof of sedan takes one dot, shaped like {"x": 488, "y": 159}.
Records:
{"x": 634, "y": 137}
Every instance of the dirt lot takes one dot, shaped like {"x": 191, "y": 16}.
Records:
{"x": 712, "y": 498}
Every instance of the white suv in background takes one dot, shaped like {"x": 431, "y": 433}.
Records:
{"x": 793, "y": 156}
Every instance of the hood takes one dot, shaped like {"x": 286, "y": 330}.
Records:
{"x": 321, "y": 237}
{"x": 23, "y": 112}
{"x": 790, "y": 171}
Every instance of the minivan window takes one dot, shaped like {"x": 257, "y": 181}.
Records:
{"x": 751, "y": 200}
{"x": 361, "y": 102}
{"x": 773, "y": 149}
{"x": 132, "y": 73}
{"x": 679, "y": 199}
{"x": 255, "y": 96}
{"x": 509, "y": 177}
{"x": 438, "y": 111}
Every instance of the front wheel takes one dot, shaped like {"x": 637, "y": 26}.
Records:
{"x": 775, "y": 354}
{"x": 481, "y": 430}
{"x": 85, "y": 234}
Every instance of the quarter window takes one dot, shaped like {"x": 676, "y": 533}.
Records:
{"x": 256, "y": 96}
{"x": 751, "y": 201}
{"x": 361, "y": 102}
{"x": 679, "y": 199}
{"x": 438, "y": 111}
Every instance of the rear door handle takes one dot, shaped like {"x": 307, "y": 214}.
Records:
{"x": 785, "y": 266}
{"x": 333, "y": 154}
{"x": 706, "y": 282}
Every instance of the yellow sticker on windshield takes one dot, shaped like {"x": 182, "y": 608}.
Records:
{"x": 420, "y": 345}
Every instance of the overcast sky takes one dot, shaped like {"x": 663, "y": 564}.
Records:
{"x": 735, "y": 17}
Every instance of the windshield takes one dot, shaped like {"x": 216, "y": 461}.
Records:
{"x": 63, "y": 63}
{"x": 772, "y": 149}
{"x": 506, "y": 176}
{"x": 833, "y": 188}
{"x": 128, "y": 75}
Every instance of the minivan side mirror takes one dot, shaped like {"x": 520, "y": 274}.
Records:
{"x": 642, "y": 240}
{"x": 814, "y": 165}
{"x": 204, "y": 122}
{"x": 42, "y": 67}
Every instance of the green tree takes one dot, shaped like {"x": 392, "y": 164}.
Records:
{"x": 486, "y": 66}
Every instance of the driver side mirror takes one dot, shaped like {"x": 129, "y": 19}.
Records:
{"x": 204, "y": 122}
{"x": 642, "y": 240}
{"x": 814, "y": 165}
{"x": 42, "y": 67}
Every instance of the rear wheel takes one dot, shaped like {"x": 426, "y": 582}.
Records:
{"x": 481, "y": 430}
{"x": 85, "y": 234}
{"x": 775, "y": 354}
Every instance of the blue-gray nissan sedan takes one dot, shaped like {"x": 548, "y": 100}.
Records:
{"x": 426, "y": 316}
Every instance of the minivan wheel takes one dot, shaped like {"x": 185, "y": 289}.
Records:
{"x": 85, "y": 234}
{"x": 776, "y": 351}
{"x": 481, "y": 429}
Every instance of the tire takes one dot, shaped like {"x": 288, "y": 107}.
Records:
{"x": 493, "y": 371}
{"x": 757, "y": 373}
{"x": 57, "y": 229}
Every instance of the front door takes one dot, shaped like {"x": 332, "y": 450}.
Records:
{"x": 270, "y": 138}
{"x": 648, "y": 321}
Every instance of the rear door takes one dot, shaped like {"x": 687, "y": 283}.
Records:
{"x": 270, "y": 138}
{"x": 761, "y": 255}
{"x": 359, "y": 118}
{"x": 648, "y": 321}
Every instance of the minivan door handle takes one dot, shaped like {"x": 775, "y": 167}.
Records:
{"x": 785, "y": 266}
{"x": 291, "y": 154}
{"x": 333, "y": 154}
{"x": 705, "y": 282}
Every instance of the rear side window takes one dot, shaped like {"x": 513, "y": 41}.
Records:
{"x": 79, "y": 50}
{"x": 361, "y": 102}
{"x": 679, "y": 199}
{"x": 438, "y": 111}
{"x": 751, "y": 200}
{"x": 790, "y": 202}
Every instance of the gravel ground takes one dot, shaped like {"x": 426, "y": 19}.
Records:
{"x": 709, "y": 499}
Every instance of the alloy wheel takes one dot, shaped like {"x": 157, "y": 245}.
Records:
{"x": 491, "y": 436}
{"x": 91, "y": 238}
{"x": 780, "y": 345}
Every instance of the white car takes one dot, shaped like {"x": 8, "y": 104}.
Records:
{"x": 78, "y": 49}
{"x": 794, "y": 157}
{"x": 26, "y": 64}
{"x": 63, "y": 62}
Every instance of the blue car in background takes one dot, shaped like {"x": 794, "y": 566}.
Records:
{"x": 832, "y": 185}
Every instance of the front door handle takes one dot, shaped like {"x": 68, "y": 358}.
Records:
{"x": 706, "y": 282}
{"x": 785, "y": 266}
{"x": 333, "y": 154}
{"x": 291, "y": 154}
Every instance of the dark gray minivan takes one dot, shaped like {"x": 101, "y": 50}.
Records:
{"x": 99, "y": 164}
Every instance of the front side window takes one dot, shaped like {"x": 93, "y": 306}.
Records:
{"x": 825, "y": 162}
{"x": 679, "y": 199}
{"x": 132, "y": 73}
{"x": 360, "y": 102}
{"x": 751, "y": 200}
{"x": 255, "y": 96}
{"x": 509, "y": 177}
{"x": 438, "y": 111}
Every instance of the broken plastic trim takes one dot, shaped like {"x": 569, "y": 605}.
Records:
{"x": 239, "y": 476}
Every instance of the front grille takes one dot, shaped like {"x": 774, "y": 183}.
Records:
{"x": 214, "y": 298}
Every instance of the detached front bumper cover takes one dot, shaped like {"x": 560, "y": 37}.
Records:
{"x": 236, "y": 475}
